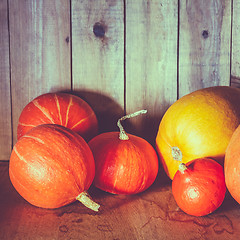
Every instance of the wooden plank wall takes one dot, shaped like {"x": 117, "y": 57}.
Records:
{"x": 151, "y": 62}
{"x": 39, "y": 50}
{"x": 120, "y": 56}
{"x": 98, "y": 57}
{"x": 5, "y": 99}
{"x": 204, "y": 44}
{"x": 235, "y": 64}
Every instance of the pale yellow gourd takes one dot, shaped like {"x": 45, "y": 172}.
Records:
{"x": 198, "y": 125}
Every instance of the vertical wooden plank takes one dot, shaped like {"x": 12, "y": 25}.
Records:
{"x": 235, "y": 70}
{"x": 98, "y": 57}
{"x": 5, "y": 102}
{"x": 204, "y": 44}
{"x": 151, "y": 61}
{"x": 40, "y": 50}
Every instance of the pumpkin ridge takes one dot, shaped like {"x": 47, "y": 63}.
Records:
{"x": 43, "y": 110}
{"x": 130, "y": 163}
{"x": 58, "y": 108}
{"x": 57, "y": 163}
{"x": 83, "y": 163}
{"x": 117, "y": 173}
{"x": 67, "y": 112}
{"x": 19, "y": 155}
{"x": 141, "y": 171}
{"x": 66, "y": 165}
{"x": 29, "y": 164}
{"x": 69, "y": 166}
{"x": 26, "y": 125}
{"x": 34, "y": 138}
{"x": 82, "y": 120}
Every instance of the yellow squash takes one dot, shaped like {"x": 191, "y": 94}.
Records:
{"x": 198, "y": 125}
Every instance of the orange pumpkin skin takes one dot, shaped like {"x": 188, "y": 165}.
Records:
{"x": 198, "y": 125}
{"x": 232, "y": 165}
{"x": 59, "y": 108}
{"x": 123, "y": 166}
{"x": 200, "y": 189}
{"x": 51, "y": 165}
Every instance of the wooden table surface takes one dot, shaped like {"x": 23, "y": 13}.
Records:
{"x": 152, "y": 214}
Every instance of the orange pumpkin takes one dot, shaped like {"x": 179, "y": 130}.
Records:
{"x": 199, "y": 186}
{"x": 198, "y": 125}
{"x": 232, "y": 165}
{"x": 52, "y": 166}
{"x": 125, "y": 163}
{"x": 59, "y": 108}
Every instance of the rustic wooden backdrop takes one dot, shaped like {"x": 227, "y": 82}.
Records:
{"x": 119, "y": 55}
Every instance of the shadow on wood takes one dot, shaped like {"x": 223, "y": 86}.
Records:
{"x": 107, "y": 110}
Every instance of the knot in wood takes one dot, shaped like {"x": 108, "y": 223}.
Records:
{"x": 205, "y": 34}
{"x": 99, "y": 30}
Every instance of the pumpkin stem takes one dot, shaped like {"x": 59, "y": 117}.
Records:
{"x": 182, "y": 167}
{"x": 86, "y": 200}
{"x": 122, "y": 134}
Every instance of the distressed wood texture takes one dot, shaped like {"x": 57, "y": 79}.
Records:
{"x": 235, "y": 71}
{"x": 5, "y": 98}
{"x": 40, "y": 50}
{"x": 98, "y": 57}
{"x": 151, "y": 62}
{"x": 151, "y": 215}
{"x": 120, "y": 56}
{"x": 204, "y": 44}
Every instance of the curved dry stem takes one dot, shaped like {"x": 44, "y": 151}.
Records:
{"x": 86, "y": 200}
{"x": 122, "y": 134}
{"x": 182, "y": 167}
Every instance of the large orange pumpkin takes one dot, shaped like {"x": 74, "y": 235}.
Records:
{"x": 52, "y": 166}
{"x": 59, "y": 108}
{"x": 198, "y": 125}
{"x": 232, "y": 165}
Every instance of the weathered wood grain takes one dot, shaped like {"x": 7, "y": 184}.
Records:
{"x": 235, "y": 65}
{"x": 40, "y": 50}
{"x": 151, "y": 215}
{"x": 98, "y": 57}
{"x": 151, "y": 62}
{"x": 127, "y": 62}
{"x": 204, "y": 44}
{"x": 5, "y": 96}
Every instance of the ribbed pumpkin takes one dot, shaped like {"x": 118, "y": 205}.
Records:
{"x": 125, "y": 163}
{"x": 59, "y": 108}
{"x": 52, "y": 166}
{"x": 232, "y": 165}
{"x": 198, "y": 125}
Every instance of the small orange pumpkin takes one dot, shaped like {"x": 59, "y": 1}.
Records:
{"x": 199, "y": 186}
{"x": 125, "y": 164}
{"x": 59, "y": 108}
{"x": 198, "y": 125}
